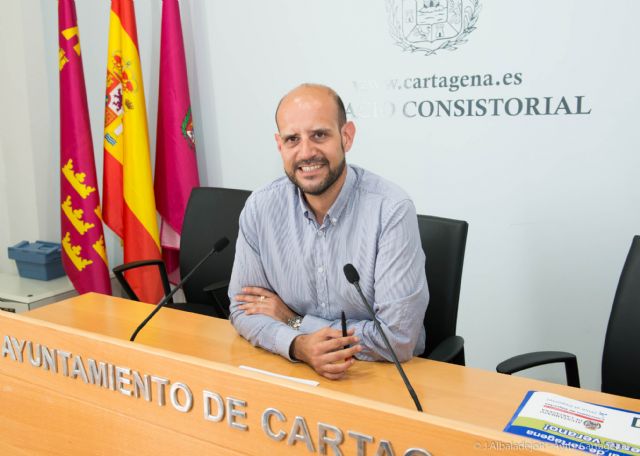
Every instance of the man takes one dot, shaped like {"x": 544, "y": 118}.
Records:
{"x": 288, "y": 288}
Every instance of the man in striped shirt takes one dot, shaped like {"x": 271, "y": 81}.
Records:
{"x": 287, "y": 287}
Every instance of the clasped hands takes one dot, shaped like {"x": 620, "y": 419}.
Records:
{"x": 323, "y": 350}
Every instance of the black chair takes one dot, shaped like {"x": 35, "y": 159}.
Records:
{"x": 211, "y": 213}
{"x": 621, "y": 357}
{"x": 443, "y": 241}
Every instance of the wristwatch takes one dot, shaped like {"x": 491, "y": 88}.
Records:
{"x": 295, "y": 322}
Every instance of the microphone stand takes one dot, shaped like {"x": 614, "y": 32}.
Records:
{"x": 217, "y": 247}
{"x": 354, "y": 278}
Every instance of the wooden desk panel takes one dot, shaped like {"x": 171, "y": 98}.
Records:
{"x": 443, "y": 389}
{"x": 464, "y": 406}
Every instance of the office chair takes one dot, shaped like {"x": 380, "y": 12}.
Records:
{"x": 443, "y": 241}
{"x": 211, "y": 213}
{"x": 620, "y": 357}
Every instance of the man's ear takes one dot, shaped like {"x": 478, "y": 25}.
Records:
{"x": 348, "y": 132}
{"x": 278, "y": 141}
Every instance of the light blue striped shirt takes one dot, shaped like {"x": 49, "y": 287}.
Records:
{"x": 372, "y": 225}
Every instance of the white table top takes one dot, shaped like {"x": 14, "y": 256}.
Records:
{"x": 18, "y": 289}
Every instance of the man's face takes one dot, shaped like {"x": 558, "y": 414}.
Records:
{"x": 310, "y": 142}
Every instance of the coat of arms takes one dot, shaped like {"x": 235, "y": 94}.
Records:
{"x": 187, "y": 129}
{"x": 429, "y": 26}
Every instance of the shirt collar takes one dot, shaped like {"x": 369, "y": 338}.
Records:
{"x": 336, "y": 210}
{"x": 338, "y": 206}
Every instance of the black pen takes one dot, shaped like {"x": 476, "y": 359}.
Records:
{"x": 344, "y": 327}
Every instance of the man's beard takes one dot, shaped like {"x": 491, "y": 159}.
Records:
{"x": 325, "y": 184}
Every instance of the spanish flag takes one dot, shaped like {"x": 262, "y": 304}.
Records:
{"x": 128, "y": 202}
{"x": 84, "y": 256}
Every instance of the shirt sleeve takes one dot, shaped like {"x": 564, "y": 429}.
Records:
{"x": 400, "y": 292}
{"x": 260, "y": 330}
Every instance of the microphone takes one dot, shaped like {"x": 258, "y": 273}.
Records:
{"x": 354, "y": 278}
{"x": 217, "y": 247}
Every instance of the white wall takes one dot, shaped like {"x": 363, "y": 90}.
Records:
{"x": 552, "y": 201}
{"x": 26, "y": 123}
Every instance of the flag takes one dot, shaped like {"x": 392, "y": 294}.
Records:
{"x": 84, "y": 256}
{"x": 128, "y": 201}
{"x": 176, "y": 166}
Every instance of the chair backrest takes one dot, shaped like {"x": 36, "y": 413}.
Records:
{"x": 211, "y": 213}
{"x": 443, "y": 241}
{"x": 621, "y": 356}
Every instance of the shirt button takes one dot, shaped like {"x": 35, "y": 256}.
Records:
{"x": 320, "y": 269}
{"x": 322, "y": 304}
{"x": 334, "y": 221}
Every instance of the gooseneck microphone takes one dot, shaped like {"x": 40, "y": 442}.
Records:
{"x": 217, "y": 247}
{"x": 354, "y": 278}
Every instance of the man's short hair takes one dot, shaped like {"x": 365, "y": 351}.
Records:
{"x": 342, "y": 113}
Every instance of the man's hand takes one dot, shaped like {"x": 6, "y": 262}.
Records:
{"x": 323, "y": 351}
{"x": 259, "y": 300}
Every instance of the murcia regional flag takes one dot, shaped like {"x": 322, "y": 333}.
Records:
{"x": 128, "y": 202}
{"x": 84, "y": 256}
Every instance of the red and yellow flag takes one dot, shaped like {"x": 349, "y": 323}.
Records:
{"x": 128, "y": 202}
{"x": 84, "y": 256}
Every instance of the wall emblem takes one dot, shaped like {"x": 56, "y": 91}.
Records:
{"x": 429, "y": 26}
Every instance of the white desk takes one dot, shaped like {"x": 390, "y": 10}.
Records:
{"x": 18, "y": 294}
